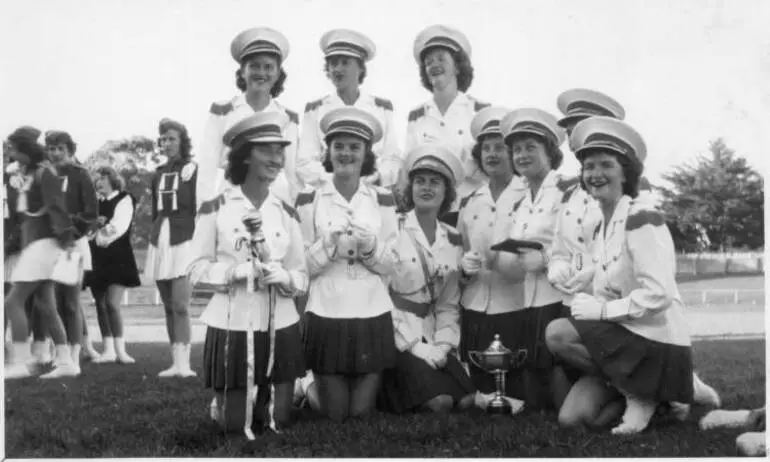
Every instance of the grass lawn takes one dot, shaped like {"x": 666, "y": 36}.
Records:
{"x": 125, "y": 411}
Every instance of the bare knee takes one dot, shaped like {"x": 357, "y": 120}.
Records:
{"x": 558, "y": 334}
{"x": 571, "y": 418}
{"x": 439, "y": 404}
{"x": 466, "y": 402}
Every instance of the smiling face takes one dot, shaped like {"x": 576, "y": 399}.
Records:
{"x": 169, "y": 143}
{"x": 440, "y": 67}
{"x": 347, "y": 154}
{"x": 530, "y": 157}
{"x": 343, "y": 71}
{"x": 265, "y": 162}
{"x": 603, "y": 176}
{"x": 495, "y": 160}
{"x": 428, "y": 190}
{"x": 260, "y": 72}
{"x": 58, "y": 152}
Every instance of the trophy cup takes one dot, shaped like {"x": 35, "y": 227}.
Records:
{"x": 498, "y": 360}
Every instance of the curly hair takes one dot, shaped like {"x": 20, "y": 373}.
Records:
{"x": 113, "y": 177}
{"x": 55, "y": 137}
{"x": 552, "y": 151}
{"x": 277, "y": 87}
{"x": 462, "y": 64}
{"x": 369, "y": 166}
{"x": 632, "y": 171}
{"x": 476, "y": 152}
{"x": 361, "y": 64}
{"x": 446, "y": 205}
{"x": 24, "y": 140}
{"x": 185, "y": 144}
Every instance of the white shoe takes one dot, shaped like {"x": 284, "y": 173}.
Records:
{"x": 89, "y": 352}
{"x": 184, "y": 361}
{"x": 214, "y": 410}
{"x": 704, "y": 394}
{"x": 636, "y": 417}
{"x": 721, "y": 418}
{"x": 751, "y": 444}
{"x": 681, "y": 411}
{"x": 17, "y": 371}
{"x": 120, "y": 349}
{"x": 63, "y": 364}
{"x": 109, "y": 355}
{"x": 41, "y": 353}
{"x": 172, "y": 371}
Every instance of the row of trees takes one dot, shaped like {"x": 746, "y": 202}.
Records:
{"x": 715, "y": 203}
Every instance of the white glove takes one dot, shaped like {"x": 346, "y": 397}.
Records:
{"x": 13, "y": 167}
{"x": 332, "y": 237}
{"x": 365, "y": 239}
{"x": 439, "y": 355}
{"x": 559, "y": 272}
{"x": 532, "y": 260}
{"x": 587, "y": 307}
{"x": 276, "y": 274}
{"x": 471, "y": 263}
{"x": 16, "y": 181}
{"x": 243, "y": 271}
{"x": 424, "y": 352}
{"x": 188, "y": 170}
{"x": 579, "y": 281}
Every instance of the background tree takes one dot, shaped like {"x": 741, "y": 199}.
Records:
{"x": 716, "y": 202}
{"x": 135, "y": 159}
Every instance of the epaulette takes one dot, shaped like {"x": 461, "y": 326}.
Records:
{"x": 478, "y": 105}
{"x": 564, "y": 184}
{"x": 518, "y": 204}
{"x": 313, "y": 105}
{"x": 293, "y": 116}
{"x": 221, "y": 108}
{"x": 304, "y": 198}
{"x": 464, "y": 201}
{"x": 290, "y": 211}
{"x": 597, "y": 229}
{"x": 211, "y": 205}
{"x": 416, "y": 114}
{"x": 383, "y": 103}
{"x": 385, "y": 198}
{"x": 644, "y": 217}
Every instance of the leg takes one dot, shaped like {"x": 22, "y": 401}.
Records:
{"x": 86, "y": 342}
{"x": 114, "y": 297}
{"x": 334, "y": 394}
{"x": 105, "y": 326}
{"x": 363, "y": 396}
{"x": 166, "y": 297}
{"x": 564, "y": 342}
{"x": 180, "y": 300}
{"x": 585, "y": 401}
{"x": 560, "y": 386}
{"x": 636, "y": 416}
{"x": 41, "y": 348}
{"x": 64, "y": 366}
{"x": 283, "y": 403}
{"x": 439, "y": 404}
{"x": 68, "y": 298}
{"x": 14, "y": 311}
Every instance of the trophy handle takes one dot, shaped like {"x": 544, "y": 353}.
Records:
{"x": 518, "y": 358}
{"x": 472, "y": 355}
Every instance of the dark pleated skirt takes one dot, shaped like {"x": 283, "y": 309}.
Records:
{"x": 349, "y": 346}
{"x": 412, "y": 383}
{"x": 648, "y": 369}
{"x": 518, "y": 330}
{"x": 289, "y": 362}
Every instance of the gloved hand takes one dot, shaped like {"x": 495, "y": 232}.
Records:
{"x": 559, "y": 273}
{"x": 579, "y": 281}
{"x": 471, "y": 263}
{"x": 188, "y": 171}
{"x": 424, "y": 352}
{"x": 439, "y": 355}
{"x": 332, "y": 237}
{"x": 244, "y": 271}
{"x": 587, "y": 307}
{"x": 365, "y": 239}
{"x": 532, "y": 260}
{"x": 276, "y": 274}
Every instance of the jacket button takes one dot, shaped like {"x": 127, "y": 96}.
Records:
{"x": 351, "y": 252}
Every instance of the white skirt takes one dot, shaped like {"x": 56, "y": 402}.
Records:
{"x": 9, "y": 264}
{"x": 165, "y": 261}
{"x": 36, "y": 261}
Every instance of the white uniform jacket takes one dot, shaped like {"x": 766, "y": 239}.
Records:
{"x": 212, "y": 152}
{"x": 343, "y": 284}
{"x": 216, "y": 252}
{"x": 426, "y": 307}
{"x": 312, "y": 147}
{"x": 636, "y": 274}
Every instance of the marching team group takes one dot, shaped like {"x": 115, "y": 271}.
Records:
{"x": 356, "y": 275}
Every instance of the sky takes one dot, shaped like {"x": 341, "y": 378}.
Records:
{"x": 686, "y": 72}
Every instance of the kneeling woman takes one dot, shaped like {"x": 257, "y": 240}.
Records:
{"x": 426, "y": 292}
{"x": 632, "y": 334}
{"x": 227, "y": 227}
{"x": 349, "y": 230}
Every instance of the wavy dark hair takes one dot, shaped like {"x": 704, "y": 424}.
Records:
{"x": 113, "y": 177}
{"x": 55, "y": 137}
{"x": 361, "y": 64}
{"x": 24, "y": 140}
{"x": 632, "y": 171}
{"x": 408, "y": 194}
{"x": 277, "y": 87}
{"x": 476, "y": 152}
{"x": 554, "y": 154}
{"x": 368, "y": 167}
{"x": 237, "y": 168}
{"x": 185, "y": 144}
{"x": 462, "y": 63}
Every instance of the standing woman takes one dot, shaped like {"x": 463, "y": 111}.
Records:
{"x": 260, "y": 77}
{"x": 631, "y": 335}
{"x": 346, "y": 54}
{"x": 46, "y": 234}
{"x": 114, "y": 264}
{"x": 493, "y": 286}
{"x": 349, "y": 230}
{"x": 426, "y": 292}
{"x": 533, "y": 137}
{"x": 222, "y": 262}
{"x": 174, "y": 204}
{"x": 443, "y": 55}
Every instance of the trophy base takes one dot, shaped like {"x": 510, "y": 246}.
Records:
{"x": 499, "y": 407}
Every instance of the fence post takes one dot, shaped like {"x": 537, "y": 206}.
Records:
{"x": 125, "y": 298}
{"x": 703, "y": 297}
{"x": 735, "y": 299}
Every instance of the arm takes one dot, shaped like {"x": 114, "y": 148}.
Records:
{"x": 208, "y": 270}
{"x": 652, "y": 258}
{"x": 154, "y": 194}
{"x": 56, "y": 208}
{"x": 294, "y": 261}
{"x": 119, "y": 224}
{"x": 448, "y": 313}
{"x": 318, "y": 257}
{"x": 390, "y": 158}
{"x": 382, "y": 259}
{"x": 405, "y": 336}
{"x": 86, "y": 219}
{"x": 208, "y": 159}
